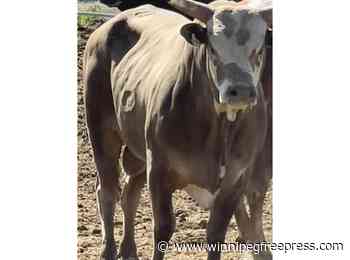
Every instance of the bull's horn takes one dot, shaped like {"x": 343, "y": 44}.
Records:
{"x": 194, "y": 9}
{"x": 264, "y": 7}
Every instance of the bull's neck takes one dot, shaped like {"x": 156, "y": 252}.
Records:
{"x": 202, "y": 86}
{"x": 201, "y": 78}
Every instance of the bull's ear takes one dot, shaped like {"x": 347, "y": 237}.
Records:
{"x": 194, "y": 33}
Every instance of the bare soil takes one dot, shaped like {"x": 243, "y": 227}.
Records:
{"x": 191, "y": 219}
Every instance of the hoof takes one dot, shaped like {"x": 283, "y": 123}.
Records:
{"x": 120, "y": 257}
{"x": 127, "y": 250}
{"x": 109, "y": 251}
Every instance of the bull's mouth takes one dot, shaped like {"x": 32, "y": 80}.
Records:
{"x": 231, "y": 110}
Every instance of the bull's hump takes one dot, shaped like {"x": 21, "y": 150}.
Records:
{"x": 151, "y": 12}
{"x": 148, "y": 9}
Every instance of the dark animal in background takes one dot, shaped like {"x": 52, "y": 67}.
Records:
{"x": 127, "y": 4}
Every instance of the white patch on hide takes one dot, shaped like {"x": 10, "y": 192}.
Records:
{"x": 148, "y": 159}
{"x": 204, "y": 198}
{"x": 222, "y": 172}
{"x": 231, "y": 115}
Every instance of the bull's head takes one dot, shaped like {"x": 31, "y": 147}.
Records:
{"x": 233, "y": 34}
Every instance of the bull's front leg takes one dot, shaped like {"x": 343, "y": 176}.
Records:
{"x": 220, "y": 216}
{"x": 162, "y": 209}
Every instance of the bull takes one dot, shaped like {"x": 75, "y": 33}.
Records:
{"x": 257, "y": 177}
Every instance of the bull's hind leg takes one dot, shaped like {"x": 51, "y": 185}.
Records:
{"x": 243, "y": 221}
{"x": 256, "y": 204}
{"x": 130, "y": 201}
{"x": 251, "y": 227}
{"x": 136, "y": 179}
{"x": 106, "y": 146}
{"x": 108, "y": 193}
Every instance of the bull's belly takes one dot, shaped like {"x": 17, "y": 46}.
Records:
{"x": 202, "y": 196}
{"x": 131, "y": 128}
{"x": 200, "y": 174}
{"x": 135, "y": 142}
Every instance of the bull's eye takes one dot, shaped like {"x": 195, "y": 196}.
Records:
{"x": 211, "y": 50}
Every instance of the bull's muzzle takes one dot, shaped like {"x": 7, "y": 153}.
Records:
{"x": 236, "y": 98}
{"x": 239, "y": 96}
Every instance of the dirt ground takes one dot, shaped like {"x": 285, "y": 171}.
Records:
{"x": 191, "y": 220}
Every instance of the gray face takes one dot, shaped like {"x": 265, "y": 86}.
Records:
{"x": 235, "y": 40}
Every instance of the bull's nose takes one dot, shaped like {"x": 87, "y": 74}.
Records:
{"x": 241, "y": 91}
